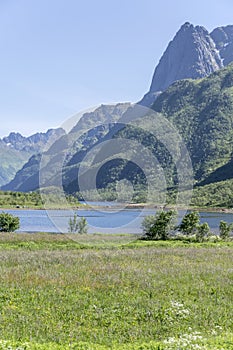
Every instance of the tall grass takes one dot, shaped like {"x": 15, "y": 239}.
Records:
{"x": 92, "y": 298}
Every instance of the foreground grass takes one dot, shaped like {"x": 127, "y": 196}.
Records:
{"x": 56, "y": 293}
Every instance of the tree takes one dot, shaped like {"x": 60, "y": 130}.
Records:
{"x": 82, "y": 226}
{"x": 77, "y": 226}
{"x": 160, "y": 225}
{"x": 189, "y": 223}
{"x": 8, "y": 222}
{"x": 203, "y": 231}
{"x": 224, "y": 229}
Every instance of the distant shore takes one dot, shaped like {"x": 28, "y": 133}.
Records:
{"x": 118, "y": 206}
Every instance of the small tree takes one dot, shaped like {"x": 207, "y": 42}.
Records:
{"x": 82, "y": 226}
{"x": 224, "y": 229}
{"x": 77, "y": 226}
{"x": 160, "y": 225}
{"x": 203, "y": 231}
{"x": 189, "y": 223}
{"x": 8, "y": 222}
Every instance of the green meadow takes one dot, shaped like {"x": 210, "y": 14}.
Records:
{"x": 108, "y": 292}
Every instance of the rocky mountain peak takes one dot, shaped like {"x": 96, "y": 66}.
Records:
{"x": 33, "y": 143}
{"x": 13, "y": 137}
{"x": 192, "y": 53}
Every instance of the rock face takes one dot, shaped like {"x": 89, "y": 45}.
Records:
{"x": 193, "y": 53}
{"x": 223, "y": 38}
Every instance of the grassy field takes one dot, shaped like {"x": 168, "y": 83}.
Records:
{"x": 56, "y": 293}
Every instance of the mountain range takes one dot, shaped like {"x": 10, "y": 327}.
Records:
{"x": 192, "y": 87}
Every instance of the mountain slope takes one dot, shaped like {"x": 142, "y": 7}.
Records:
{"x": 202, "y": 111}
{"x": 15, "y": 151}
{"x": 11, "y": 161}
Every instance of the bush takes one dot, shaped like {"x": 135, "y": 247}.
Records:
{"x": 160, "y": 225}
{"x": 189, "y": 223}
{"x": 8, "y": 222}
{"x": 203, "y": 231}
{"x": 77, "y": 226}
{"x": 224, "y": 229}
{"x": 82, "y": 226}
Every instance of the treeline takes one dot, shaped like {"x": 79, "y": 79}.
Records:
{"x": 10, "y": 199}
{"x": 215, "y": 195}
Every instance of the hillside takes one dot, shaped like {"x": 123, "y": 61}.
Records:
{"x": 202, "y": 111}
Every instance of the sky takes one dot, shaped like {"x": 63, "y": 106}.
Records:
{"x": 59, "y": 57}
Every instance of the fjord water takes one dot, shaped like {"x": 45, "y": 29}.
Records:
{"x": 112, "y": 220}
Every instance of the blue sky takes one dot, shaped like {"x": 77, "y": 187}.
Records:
{"x": 59, "y": 57}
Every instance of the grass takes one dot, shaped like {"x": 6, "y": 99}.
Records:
{"x": 58, "y": 293}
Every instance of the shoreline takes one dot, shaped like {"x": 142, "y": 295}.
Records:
{"x": 125, "y": 206}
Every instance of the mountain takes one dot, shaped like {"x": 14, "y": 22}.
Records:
{"x": 193, "y": 53}
{"x": 15, "y": 150}
{"x": 67, "y": 149}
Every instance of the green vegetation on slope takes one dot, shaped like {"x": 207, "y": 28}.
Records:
{"x": 217, "y": 194}
{"x": 202, "y": 111}
{"x": 11, "y": 161}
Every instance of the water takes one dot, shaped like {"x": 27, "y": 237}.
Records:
{"x": 112, "y": 220}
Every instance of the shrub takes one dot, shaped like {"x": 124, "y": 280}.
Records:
{"x": 224, "y": 229}
{"x": 8, "y": 222}
{"x": 203, "y": 231}
{"x": 189, "y": 223}
{"x": 82, "y": 226}
{"x": 77, "y": 226}
{"x": 160, "y": 225}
